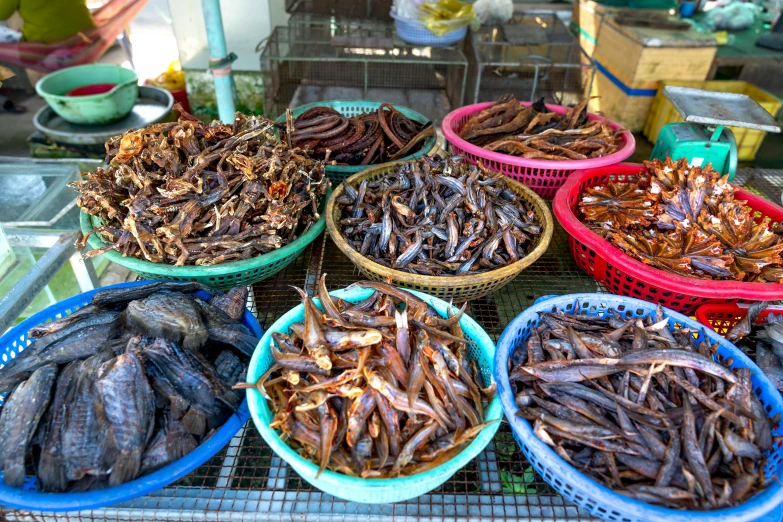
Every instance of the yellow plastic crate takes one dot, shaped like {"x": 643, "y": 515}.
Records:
{"x": 748, "y": 140}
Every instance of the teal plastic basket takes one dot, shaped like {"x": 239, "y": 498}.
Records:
{"x": 350, "y": 108}
{"x": 355, "y": 489}
{"x": 222, "y": 276}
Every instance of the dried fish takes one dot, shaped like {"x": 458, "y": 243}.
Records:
{"x": 126, "y": 402}
{"x": 366, "y": 139}
{"x": 390, "y": 401}
{"x": 19, "y": 421}
{"x": 761, "y": 340}
{"x": 536, "y": 132}
{"x": 439, "y": 216}
{"x": 662, "y": 422}
{"x": 685, "y": 220}
{"x": 188, "y": 193}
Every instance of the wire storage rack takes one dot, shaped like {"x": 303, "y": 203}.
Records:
{"x": 366, "y": 9}
{"x": 318, "y": 59}
{"x": 533, "y": 55}
{"x": 246, "y": 482}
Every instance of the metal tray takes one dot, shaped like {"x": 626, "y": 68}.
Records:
{"x": 153, "y": 105}
{"x": 720, "y": 108}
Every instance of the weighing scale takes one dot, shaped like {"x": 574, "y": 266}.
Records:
{"x": 704, "y": 136}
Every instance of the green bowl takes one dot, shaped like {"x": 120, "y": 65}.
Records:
{"x": 372, "y": 490}
{"x": 95, "y": 109}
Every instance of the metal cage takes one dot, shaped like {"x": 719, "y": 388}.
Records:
{"x": 316, "y": 60}
{"x": 532, "y": 56}
{"x": 367, "y": 9}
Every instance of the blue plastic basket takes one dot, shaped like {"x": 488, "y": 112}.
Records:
{"x": 28, "y": 498}
{"x": 414, "y": 32}
{"x": 355, "y": 489}
{"x": 583, "y": 491}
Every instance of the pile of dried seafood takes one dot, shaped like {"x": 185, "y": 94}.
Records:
{"x": 366, "y": 390}
{"x": 123, "y": 386}
{"x": 535, "y": 132}
{"x": 438, "y": 217}
{"x": 367, "y": 139}
{"x": 643, "y": 409}
{"x": 687, "y": 221}
{"x": 189, "y": 193}
{"x": 761, "y": 341}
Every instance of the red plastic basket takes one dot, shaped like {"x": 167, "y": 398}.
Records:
{"x": 723, "y": 317}
{"x": 621, "y": 274}
{"x": 544, "y": 177}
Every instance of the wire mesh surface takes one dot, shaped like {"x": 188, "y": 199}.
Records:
{"x": 532, "y": 56}
{"x": 314, "y": 60}
{"x": 247, "y": 482}
{"x": 367, "y": 9}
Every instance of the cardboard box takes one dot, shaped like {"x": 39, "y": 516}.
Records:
{"x": 631, "y": 61}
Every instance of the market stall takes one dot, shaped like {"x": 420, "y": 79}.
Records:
{"x": 336, "y": 317}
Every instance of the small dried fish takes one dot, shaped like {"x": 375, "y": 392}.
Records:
{"x": 438, "y": 216}
{"x": 387, "y": 402}
{"x": 536, "y": 132}
{"x": 660, "y": 420}
{"x": 685, "y": 220}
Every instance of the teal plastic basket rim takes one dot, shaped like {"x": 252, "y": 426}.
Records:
{"x": 493, "y": 411}
{"x": 231, "y": 267}
{"x": 426, "y": 147}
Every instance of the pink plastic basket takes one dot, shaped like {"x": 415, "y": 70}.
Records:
{"x": 544, "y": 177}
{"x": 621, "y": 274}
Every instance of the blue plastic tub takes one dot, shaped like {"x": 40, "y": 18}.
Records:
{"x": 28, "y": 498}
{"x": 583, "y": 491}
{"x": 414, "y": 32}
{"x": 355, "y": 489}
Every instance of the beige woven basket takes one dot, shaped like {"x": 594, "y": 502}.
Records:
{"x": 459, "y": 288}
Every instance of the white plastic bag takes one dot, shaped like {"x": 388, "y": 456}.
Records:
{"x": 494, "y": 11}
{"x": 733, "y": 17}
{"x": 407, "y": 9}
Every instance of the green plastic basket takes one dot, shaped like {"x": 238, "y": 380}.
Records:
{"x": 222, "y": 276}
{"x": 355, "y": 489}
{"x": 350, "y": 108}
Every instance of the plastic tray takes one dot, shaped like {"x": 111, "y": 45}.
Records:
{"x": 222, "y": 276}
{"x": 371, "y": 491}
{"x": 621, "y": 274}
{"x": 27, "y": 498}
{"x": 351, "y": 108}
{"x": 583, "y": 491}
{"x": 723, "y": 317}
{"x": 459, "y": 288}
{"x": 543, "y": 176}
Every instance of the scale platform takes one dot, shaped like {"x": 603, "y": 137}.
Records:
{"x": 720, "y": 108}
{"x": 152, "y": 106}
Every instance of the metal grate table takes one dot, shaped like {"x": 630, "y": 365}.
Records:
{"x": 247, "y": 482}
